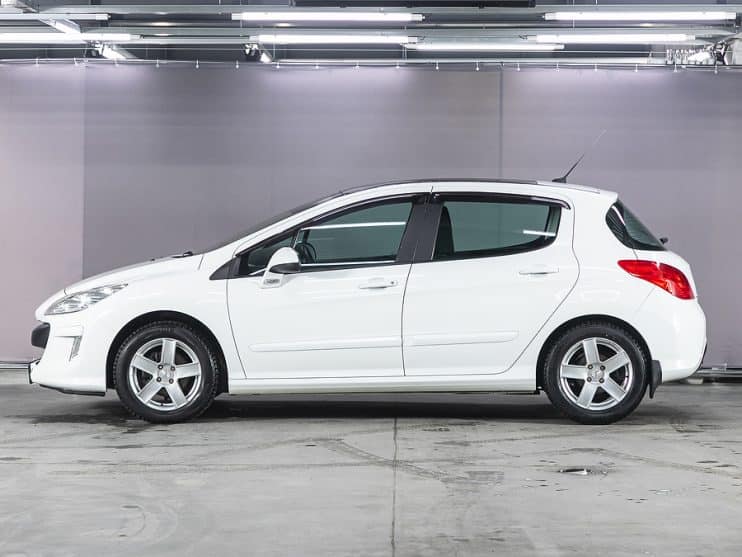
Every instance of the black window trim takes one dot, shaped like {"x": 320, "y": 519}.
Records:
{"x": 426, "y": 247}
{"x": 405, "y": 253}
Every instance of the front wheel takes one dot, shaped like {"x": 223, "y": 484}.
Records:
{"x": 165, "y": 372}
{"x": 596, "y": 373}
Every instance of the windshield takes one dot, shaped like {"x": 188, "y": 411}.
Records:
{"x": 273, "y": 220}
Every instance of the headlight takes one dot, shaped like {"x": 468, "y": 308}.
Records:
{"x": 83, "y": 300}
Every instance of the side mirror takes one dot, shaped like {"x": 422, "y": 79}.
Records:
{"x": 664, "y": 240}
{"x": 284, "y": 261}
{"x": 286, "y": 268}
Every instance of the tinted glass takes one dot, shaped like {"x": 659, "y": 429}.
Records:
{"x": 257, "y": 259}
{"x": 481, "y": 228}
{"x": 362, "y": 236}
{"x": 629, "y": 230}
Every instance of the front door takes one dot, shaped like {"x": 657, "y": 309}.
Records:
{"x": 340, "y": 316}
{"x": 500, "y": 265}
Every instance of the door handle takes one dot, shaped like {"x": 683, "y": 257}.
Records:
{"x": 377, "y": 283}
{"x": 539, "y": 270}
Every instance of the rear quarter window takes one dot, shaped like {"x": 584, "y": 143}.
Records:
{"x": 629, "y": 230}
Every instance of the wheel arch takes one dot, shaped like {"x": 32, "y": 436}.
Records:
{"x": 165, "y": 315}
{"x": 583, "y": 319}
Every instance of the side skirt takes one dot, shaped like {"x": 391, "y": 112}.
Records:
{"x": 401, "y": 384}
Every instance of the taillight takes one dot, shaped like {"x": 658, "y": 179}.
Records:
{"x": 665, "y": 276}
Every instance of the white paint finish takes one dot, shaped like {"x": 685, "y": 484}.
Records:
{"x": 476, "y": 299}
{"x": 320, "y": 323}
{"x": 487, "y": 308}
{"x": 458, "y": 338}
{"x": 334, "y": 344}
{"x": 477, "y": 324}
{"x": 179, "y": 285}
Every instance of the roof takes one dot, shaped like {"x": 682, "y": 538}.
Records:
{"x": 545, "y": 183}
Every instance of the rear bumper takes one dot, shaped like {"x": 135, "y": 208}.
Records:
{"x": 675, "y": 332}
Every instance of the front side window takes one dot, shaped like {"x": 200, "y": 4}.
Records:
{"x": 369, "y": 235}
{"x": 488, "y": 227}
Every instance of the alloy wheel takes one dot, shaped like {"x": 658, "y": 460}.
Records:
{"x": 165, "y": 374}
{"x": 596, "y": 374}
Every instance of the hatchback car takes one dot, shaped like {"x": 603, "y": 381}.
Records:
{"x": 432, "y": 285}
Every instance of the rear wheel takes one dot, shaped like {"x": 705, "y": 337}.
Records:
{"x": 596, "y": 373}
{"x": 165, "y": 372}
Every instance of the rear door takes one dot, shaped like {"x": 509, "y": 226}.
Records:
{"x": 496, "y": 269}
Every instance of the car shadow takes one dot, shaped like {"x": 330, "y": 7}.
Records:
{"x": 402, "y": 406}
{"x": 467, "y": 406}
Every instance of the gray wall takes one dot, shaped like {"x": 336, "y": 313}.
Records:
{"x": 41, "y": 193}
{"x": 178, "y": 158}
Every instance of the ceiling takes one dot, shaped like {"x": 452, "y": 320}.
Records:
{"x": 364, "y": 32}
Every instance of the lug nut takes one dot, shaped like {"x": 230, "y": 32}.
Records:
{"x": 172, "y": 381}
{"x": 172, "y": 368}
{"x": 590, "y": 366}
{"x": 159, "y": 366}
{"x": 159, "y": 379}
{"x": 589, "y": 379}
{"x": 601, "y": 380}
{"x": 602, "y": 368}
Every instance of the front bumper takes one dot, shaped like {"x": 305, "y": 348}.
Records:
{"x": 63, "y": 366}
{"x": 40, "y": 335}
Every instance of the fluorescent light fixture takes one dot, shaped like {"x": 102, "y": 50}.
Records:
{"x": 336, "y": 15}
{"x": 482, "y": 46}
{"x": 618, "y": 38}
{"x": 295, "y": 38}
{"x": 60, "y": 38}
{"x": 600, "y": 15}
{"x": 46, "y": 16}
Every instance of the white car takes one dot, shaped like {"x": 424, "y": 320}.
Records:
{"x": 434, "y": 285}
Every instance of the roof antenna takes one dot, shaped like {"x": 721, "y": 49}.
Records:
{"x": 563, "y": 179}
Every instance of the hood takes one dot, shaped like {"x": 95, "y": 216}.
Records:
{"x": 131, "y": 273}
{"x": 139, "y": 271}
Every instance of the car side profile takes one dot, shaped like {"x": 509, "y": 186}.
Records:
{"x": 424, "y": 286}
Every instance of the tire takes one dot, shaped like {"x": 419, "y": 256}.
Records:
{"x": 166, "y": 372}
{"x": 579, "y": 375}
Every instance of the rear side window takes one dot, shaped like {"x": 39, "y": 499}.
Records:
{"x": 485, "y": 227}
{"x": 629, "y": 229}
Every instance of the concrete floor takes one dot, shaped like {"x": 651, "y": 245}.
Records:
{"x": 405, "y": 475}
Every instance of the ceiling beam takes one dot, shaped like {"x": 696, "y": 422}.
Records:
{"x": 540, "y": 9}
